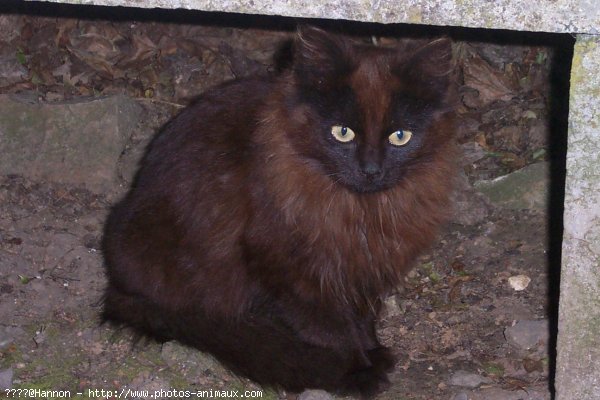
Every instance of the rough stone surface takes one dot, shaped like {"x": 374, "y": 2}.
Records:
{"x": 461, "y": 396}
{"x": 527, "y": 335}
{"x": 6, "y": 378}
{"x": 526, "y": 188}
{"x": 315, "y": 395}
{"x": 470, "y": 206}
{"x": 513, "y": 394}
{"x": 75, "y": 142}
{"x": 188, "y": 360}
{"x": 578, "y": 364}
{"x": 578, "y": 16}
{"x": 145, "y": 381}
{"x": 467, "y": 379}
{"x": 7, "y": 336}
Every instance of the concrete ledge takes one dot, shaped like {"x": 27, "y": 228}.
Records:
{"x": 560, "y": 16}
{"x": 578, "y": 366}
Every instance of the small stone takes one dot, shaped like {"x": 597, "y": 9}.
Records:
{"x": 519, "y": 282}
{"x": 40, "y": 337}
{"x": 315, "y": 395}
{"x": 6, "y": 378}
{"x": 391, "y": 307}
{"x": 461, "y": 396}
{"x": 467, "y": 379}
{"x": 528, "y": 334}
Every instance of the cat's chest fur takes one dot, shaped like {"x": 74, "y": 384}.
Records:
{"x": 348, "y": 247}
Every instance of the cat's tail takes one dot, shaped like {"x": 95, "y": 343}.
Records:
{"x": 258, "y": 346}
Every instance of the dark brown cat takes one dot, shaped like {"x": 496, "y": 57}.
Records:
{"x": 269, "y": 219}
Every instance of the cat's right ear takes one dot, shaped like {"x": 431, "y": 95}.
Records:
{"x": 427, "y": 73}
{"x": 321, "y": 59}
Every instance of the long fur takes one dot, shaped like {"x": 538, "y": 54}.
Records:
{"x": 241, "y": 236}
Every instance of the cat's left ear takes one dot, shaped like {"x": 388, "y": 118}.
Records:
{"x": 428, "y": 70}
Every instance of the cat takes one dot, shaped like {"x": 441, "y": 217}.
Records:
{"x": 269, "y": 219}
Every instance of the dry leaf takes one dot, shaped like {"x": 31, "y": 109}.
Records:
{"x": 455, "y": 292}
{"x": 532, "y": 365}
{"x": 481, "y": 140}
{"x": 167, "y": 46}
{"x": 65, "y": 26}
{"x": 515, "y": 384}
{"x": 144, "y": 47}
{"x": 457, "y": 266}
{"x": 490, "y": 83}
{"x": 96, "y": 46}
{"x": 99, "y": 64}
{"x": 512, "y": 160}
{"x": 449, "y": 338}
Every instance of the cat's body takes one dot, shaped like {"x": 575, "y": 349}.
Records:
{"x": 255, "y": 233}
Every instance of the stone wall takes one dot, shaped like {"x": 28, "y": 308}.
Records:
{"x": 580, "y": 16}
{"x": 578, "y": 366}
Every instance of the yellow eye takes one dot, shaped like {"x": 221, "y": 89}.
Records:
{"x": 342, "y": 133}
{"x": 400, "y": 137}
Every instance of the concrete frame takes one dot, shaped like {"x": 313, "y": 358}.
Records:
{"x": 578, "y": 348}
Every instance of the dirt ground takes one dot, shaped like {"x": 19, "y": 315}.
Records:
{"x": 453, "y": 326}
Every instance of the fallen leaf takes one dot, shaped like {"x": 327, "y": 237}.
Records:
{"x": 455, "y": 292}
{"x": 457, "y": 266}
{"x": 99, "y": 64}
{"x": 515, "y": 384}
{"x": 532, "y": 365}
{"x": 481, "y": 140}
{"x": 490, "y": 83}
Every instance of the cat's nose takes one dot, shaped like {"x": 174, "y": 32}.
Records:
{"x": 372, "y": 170}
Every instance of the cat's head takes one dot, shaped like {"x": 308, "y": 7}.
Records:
{"x": 364, "y": 114}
